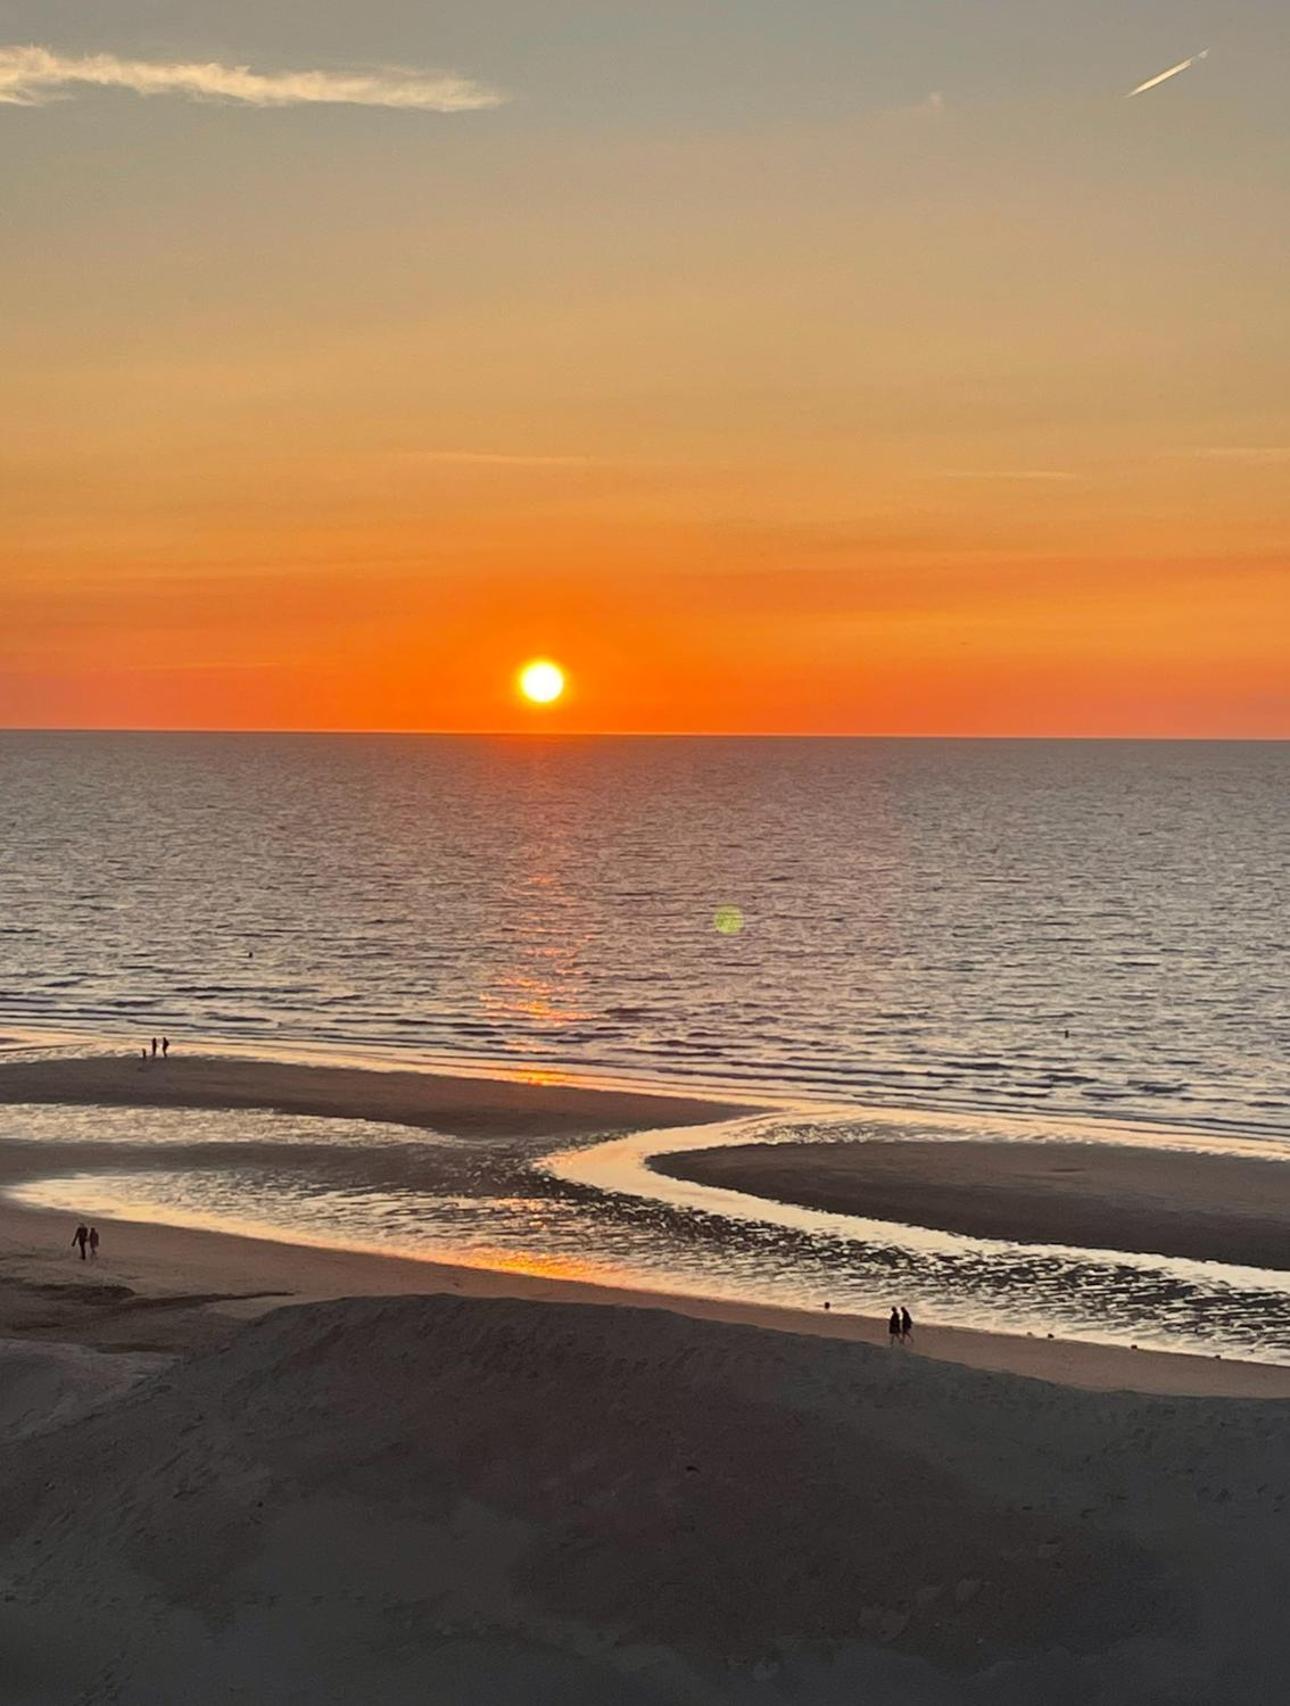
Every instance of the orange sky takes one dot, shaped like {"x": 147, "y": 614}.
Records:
{"x": 876, "y": 414}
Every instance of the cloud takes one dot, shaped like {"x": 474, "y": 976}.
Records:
{"x": 31, "y": 76}
{"x": 497, "y": 459}
{"x": 1256, "y": 453}
{"x": 1006, "y": 474}
{"x": 1164, "y": 76}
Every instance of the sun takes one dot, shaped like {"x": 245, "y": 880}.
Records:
{"x": 542, "y": 681}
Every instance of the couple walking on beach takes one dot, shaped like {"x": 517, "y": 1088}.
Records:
{"x": 900, "y": 1327}
{"x": 87, "y": 1235}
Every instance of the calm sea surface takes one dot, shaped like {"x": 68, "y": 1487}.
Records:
{"x": 1016, "y": 941}
{"x": 1092, "y": 927}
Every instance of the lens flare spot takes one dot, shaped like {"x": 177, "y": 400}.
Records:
{"x": 727, "y": 921}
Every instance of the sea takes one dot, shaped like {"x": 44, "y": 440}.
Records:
{"x": 1007, "y": 939}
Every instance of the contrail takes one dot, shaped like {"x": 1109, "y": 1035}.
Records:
{"x": 1151, "y": 82}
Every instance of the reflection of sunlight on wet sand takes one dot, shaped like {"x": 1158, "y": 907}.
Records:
{"x": 541, "y": 1075}
{"x": 534, "y": 1264}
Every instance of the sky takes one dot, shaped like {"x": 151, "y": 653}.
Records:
{"x": 788, "y": 366}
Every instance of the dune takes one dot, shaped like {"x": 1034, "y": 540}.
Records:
{"x": 469, "y": 1501}
{"x": 43, "y": 1386}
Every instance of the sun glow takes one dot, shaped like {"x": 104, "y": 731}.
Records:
{"x": 542, "y": 682}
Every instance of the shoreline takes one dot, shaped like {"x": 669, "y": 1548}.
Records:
{"x": 160, "y": 1286}
{"x": 176, "y": 1289}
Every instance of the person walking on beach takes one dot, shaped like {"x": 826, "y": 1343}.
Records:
{"x": 893, "y": 1327}
{"x": 94, "y": 1243}
{"x": 906, "y": 1327}
{"x": 165, "y": 1047}
{"x": 154, "y": 1048}
{"x": 81, "y": 1237}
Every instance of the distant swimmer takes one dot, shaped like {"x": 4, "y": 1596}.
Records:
{"x": 81, "y": 1236}
{"x": 94, "y": 1243}
{"x": 893, "y": 1327}
{"x": 906, "y": 1326}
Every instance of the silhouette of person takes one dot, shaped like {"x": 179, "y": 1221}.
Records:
{"x": 81, "y": 1237}
{"x": 94, "y": 1243}
{"x": 165, "y": 1047}
{"x": 154, "y": 1048}
{"x": 893, "y": 1327}
{"x": 906, "y": 1326}
{"x": 143, "y": 1055}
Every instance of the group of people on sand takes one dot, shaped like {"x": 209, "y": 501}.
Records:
{"x": 900, "y": 1327}
{"x": 162, "y": 1048}
{"x": 87, "y": 1237}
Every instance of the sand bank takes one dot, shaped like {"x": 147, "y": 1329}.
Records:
{"x": 1216, "y": 1208}
{"x": 466, "y": 1107}
{"x": 487, "y": 1501}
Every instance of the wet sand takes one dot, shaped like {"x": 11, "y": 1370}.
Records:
{"x": 166, "y": 1288}
{"x": 477, "y": 1490}
{"x": 466, "y": 1107}
{"x": 1099, "y": 1196}
{"x": 176, "y": 1289}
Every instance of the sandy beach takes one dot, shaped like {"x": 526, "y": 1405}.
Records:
{"x": 169, "y": 1288}
{"x": 487, "y": 1500}
{"x": 522, "y": 1106}
{"x": 243, "y": 1469}
{"x": 1215, "y": 1208}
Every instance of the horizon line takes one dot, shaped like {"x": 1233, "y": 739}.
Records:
{"x": 633, "y": 734}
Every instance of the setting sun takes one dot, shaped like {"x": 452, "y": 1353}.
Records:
{"x": 542, "y": 681}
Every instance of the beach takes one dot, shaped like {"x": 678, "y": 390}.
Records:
{"x": 174, "y": 1287}
{"x": 246, "y": 1468}
{"x": 504, "y": 1501}
{"x": 1095, "y": 1195}
{"x": 526, "y": 1106}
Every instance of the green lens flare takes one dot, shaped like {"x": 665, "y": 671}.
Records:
{"x": 727, "y": 920}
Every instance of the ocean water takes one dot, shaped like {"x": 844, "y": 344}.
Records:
{"x": 1012, "y": 941}
{"x": 1089, "y": 928}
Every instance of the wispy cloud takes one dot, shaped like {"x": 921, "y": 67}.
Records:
{"x": 496, "y": 459}
{"x": 1006, "y": 474}
{"x": 1257, "y": 453}
{"x": 1164, "y": 76}
{"x": 31, "y": 76}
